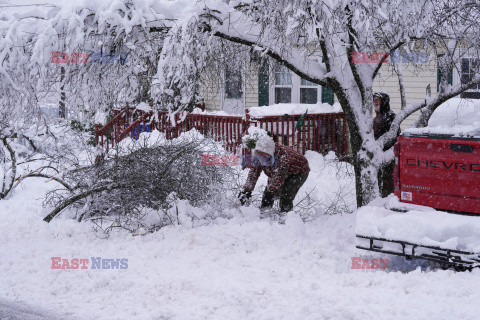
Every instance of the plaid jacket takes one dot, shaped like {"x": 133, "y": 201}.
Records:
{"x": 287, "y": 162}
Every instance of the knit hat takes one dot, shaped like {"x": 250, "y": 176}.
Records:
{"x": 265, "y": 144}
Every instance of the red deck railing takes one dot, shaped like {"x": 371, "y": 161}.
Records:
{"x": 321, "y": 132}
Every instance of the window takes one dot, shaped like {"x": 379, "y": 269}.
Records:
{"x": 290, "y": 88}
{"x": 283, "y": 84}
{"x": 232, "y": 92}
{"x": 469, "y": 67}
{"x": 308, "y": 92}
{"x": 287, "y": 87}
{"x": 233, "y": 84}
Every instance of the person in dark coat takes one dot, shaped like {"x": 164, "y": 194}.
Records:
{"x": 384, "y": 116}
{"x": 381, "y": 124}
{"x": 286, "y": 169}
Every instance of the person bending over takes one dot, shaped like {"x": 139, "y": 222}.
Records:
{"x": 286, "y": 169}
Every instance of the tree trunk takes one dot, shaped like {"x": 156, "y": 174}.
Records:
{"x": 366, "y": 179}
{"x": 62, "y": 111}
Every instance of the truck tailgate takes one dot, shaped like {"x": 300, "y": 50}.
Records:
{"x": 442, "y": 173}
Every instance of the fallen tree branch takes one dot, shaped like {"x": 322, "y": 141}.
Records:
{"x": 75, "y": 198}
{"x": 123, "y": 190}
{"x": 13, "y": 158}
{"x": 41, "y": 175}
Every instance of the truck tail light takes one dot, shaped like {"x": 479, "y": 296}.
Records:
{"x": 396, "y": 171}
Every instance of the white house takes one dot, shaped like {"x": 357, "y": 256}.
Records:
{"x": 261, "y": 83}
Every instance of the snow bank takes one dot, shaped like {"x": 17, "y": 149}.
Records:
{"x": 241, "y": 268}
{"x": 293, "y": 108}
{"x": 156, "y": 138}
{"x": 457, "y": 117}
{"x": 420, "y": 225}
{"x": 211, "y": 112}
{"x": 330, "y": 182}
{"x": 280, "y": 109}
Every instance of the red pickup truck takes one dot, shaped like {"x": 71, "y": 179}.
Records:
{"x": 438, "y": 170}
{"x": 439, "y": 167}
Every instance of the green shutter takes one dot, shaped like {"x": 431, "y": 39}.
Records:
{"x": 327, "y": 96}
{"x": 439, "y": 75}
{"x": 263, "y": 83}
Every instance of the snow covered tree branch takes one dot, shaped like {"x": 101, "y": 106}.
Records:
{"x": 296, "y": 33}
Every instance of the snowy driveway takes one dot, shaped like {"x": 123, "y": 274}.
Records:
{"x": 252, "y": 270}
{"x": 17, "y": 311}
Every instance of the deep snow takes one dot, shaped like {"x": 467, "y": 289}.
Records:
{"x": 420, "y": 225}
{"x": 241, "y": 268}
{"x": 280, "y": 109}
{"x": 458, "y": 117}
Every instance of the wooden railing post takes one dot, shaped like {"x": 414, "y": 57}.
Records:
{"x": 247, "y": 121}
{"x": 96, "y": 134}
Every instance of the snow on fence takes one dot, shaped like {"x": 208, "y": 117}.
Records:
{"x": 322, "y": 132}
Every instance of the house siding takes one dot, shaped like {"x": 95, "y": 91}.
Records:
{"x": 251, "y": 85}
{"x": 415, "y": 81}
{"x": 210, "y": 93}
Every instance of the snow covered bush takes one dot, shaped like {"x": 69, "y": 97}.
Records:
{"x": 139, "y": 189}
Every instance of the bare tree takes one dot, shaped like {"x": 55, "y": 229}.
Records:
{"x": 37, "y": 153}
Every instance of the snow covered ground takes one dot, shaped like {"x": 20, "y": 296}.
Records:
{"x": 241, "y": 268}
{"x": 420, "y": 225}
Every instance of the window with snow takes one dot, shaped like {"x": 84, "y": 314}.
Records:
{"x": 283, "y": 84}
{"x": 308, "y": 92}
{"x": 469, "y": 67}
{"x": 290, "y": 88}
{"x": 233, "y": 84}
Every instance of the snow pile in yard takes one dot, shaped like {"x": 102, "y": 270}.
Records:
{"x": 211, "y": 112}
{"x": 293, "y": 109}
{"x": 457, "y": 117}
{"x": 280, "y": 110}
{"x": 420, "y": 225}
{"x": 240, "y": 268}
{"x": 330, "y": 182}
{"x": 157, "y": 138}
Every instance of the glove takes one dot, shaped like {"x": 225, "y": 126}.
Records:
{"x": 267, "y": 200}
{"x": 244, "y": 196}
